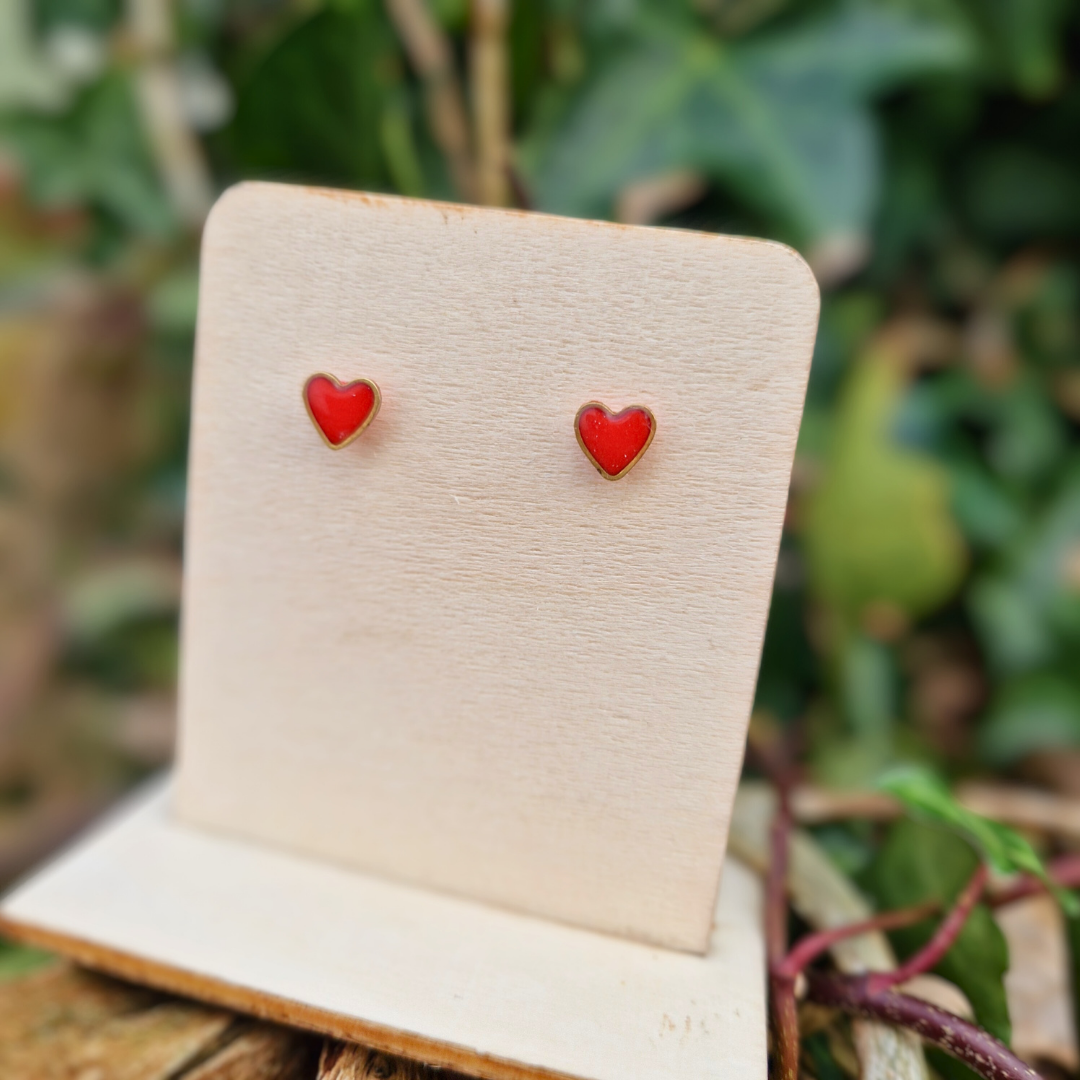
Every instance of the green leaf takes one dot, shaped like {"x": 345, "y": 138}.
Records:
{"x": 878, "y": 529}
{"x": 1027, "y": 39}
{"x": 816, "y": 1048}
{"x": 926, "y": 796}
{"x": 1016, "y": 192}
{"x": 104, "y": 600}
{"x": 173, "y": 302}
{"x": 1014, "y": 633}
{"x": 787, "y": 670}
{"x": 453, "y": 14}
{"x": 983, "y": 508}
{"x": 1072, "y": 939}
{"x": 1023, "y": 609}
{"x": 1029, "y": 436}
{"x": 1042, "y": 561}
{"x": 868, "y": 692}
{"x": 26, "y": 79}
{"x": 96, "y": 15}
{"x": 781, "y": 119}
{"x": 869, "y": 682}
{"x": 319, "y": 105}
{"x": 862, "y": 50}
{"x": 1039, "y": 712}
{"x": 94, "y": 156}
{"x": 399, "y": 147}
{"x": 920, "y": 862}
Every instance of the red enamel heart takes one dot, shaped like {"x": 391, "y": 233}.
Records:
{"x": 614, "y": 442}
{"x": 340, "y": 411}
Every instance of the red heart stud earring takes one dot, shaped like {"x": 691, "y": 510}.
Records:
{"x": 340, "y": 411}
{"x": 614, "y": 442}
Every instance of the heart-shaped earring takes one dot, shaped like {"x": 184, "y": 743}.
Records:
{"x": 340, "y": 411}
{"x": 614, "y": 442}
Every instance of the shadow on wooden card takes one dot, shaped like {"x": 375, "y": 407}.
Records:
{"x": 461, "y": 720}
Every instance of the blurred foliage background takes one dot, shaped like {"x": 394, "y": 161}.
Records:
{"x": 924, "y": 156}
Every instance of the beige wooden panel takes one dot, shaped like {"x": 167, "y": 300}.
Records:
{"x": 408, "y": 971}
{"x": 452, "y": 653}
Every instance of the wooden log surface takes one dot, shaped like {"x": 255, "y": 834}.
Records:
{"x": 65, "y": 1023}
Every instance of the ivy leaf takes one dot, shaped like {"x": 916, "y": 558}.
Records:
{"x": 1026, "y": 37}
{"x": 1072, "y": 939}
{"x": 1039, "y": 712}
{"x": 929, "y": 800}
{"x": 1022, "y": 606}
{"x": 987, "y": 512}
{"x": 782, "y": 119}
{"x": 94, "y": 155}
{"x": 1014, "y": 633}
{"x": 322, "y": 103}
{"x": 26, "y": 79}
{"x": 921, "y": 862}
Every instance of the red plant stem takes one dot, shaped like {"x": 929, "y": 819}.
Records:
{"x": 776, "y": 882}
{"x": 1064, "y": 871}
{"x": 813, "y": 945}
{"x": 962, "y": 1040}
{"x": 781, "y": 986}
{"x": 931, "y": 953}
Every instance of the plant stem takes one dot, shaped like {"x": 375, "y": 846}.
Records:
{"x": 964, "y": 1041}
{"x": 813, "y": 945}
{"x": 781, "y": 985}
{"x": 1064, "y": 871}
{"x": 931, "y": 953}
{"x": 177, "y": 151}
{"x": 490, "y": 78}
{"x": 432, "y": 58}
{"x": 825, "y": 898}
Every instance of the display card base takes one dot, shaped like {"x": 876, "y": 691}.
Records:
{"x": 446, "y": 981}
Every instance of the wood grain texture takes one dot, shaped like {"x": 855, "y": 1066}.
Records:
{"x": 405, "y": 971}
{"x": 60, "y": 1002}
{"x": 69, "y": 1024}
{"x": 261, "y": 1052}
{"x": 452, "y": 653}
{"x": 341, "y": 1061}
{"x": 66, "y": 1025}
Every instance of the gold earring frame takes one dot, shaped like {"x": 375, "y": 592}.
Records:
{"x": 608, "y": 412}
{"x": 339, "y": 385}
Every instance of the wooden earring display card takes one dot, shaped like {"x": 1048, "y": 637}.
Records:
{"x": 449, "y": 680}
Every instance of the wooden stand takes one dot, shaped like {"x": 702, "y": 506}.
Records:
{"x": 462, "y": 720}
{"x": 407, "y": 971}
